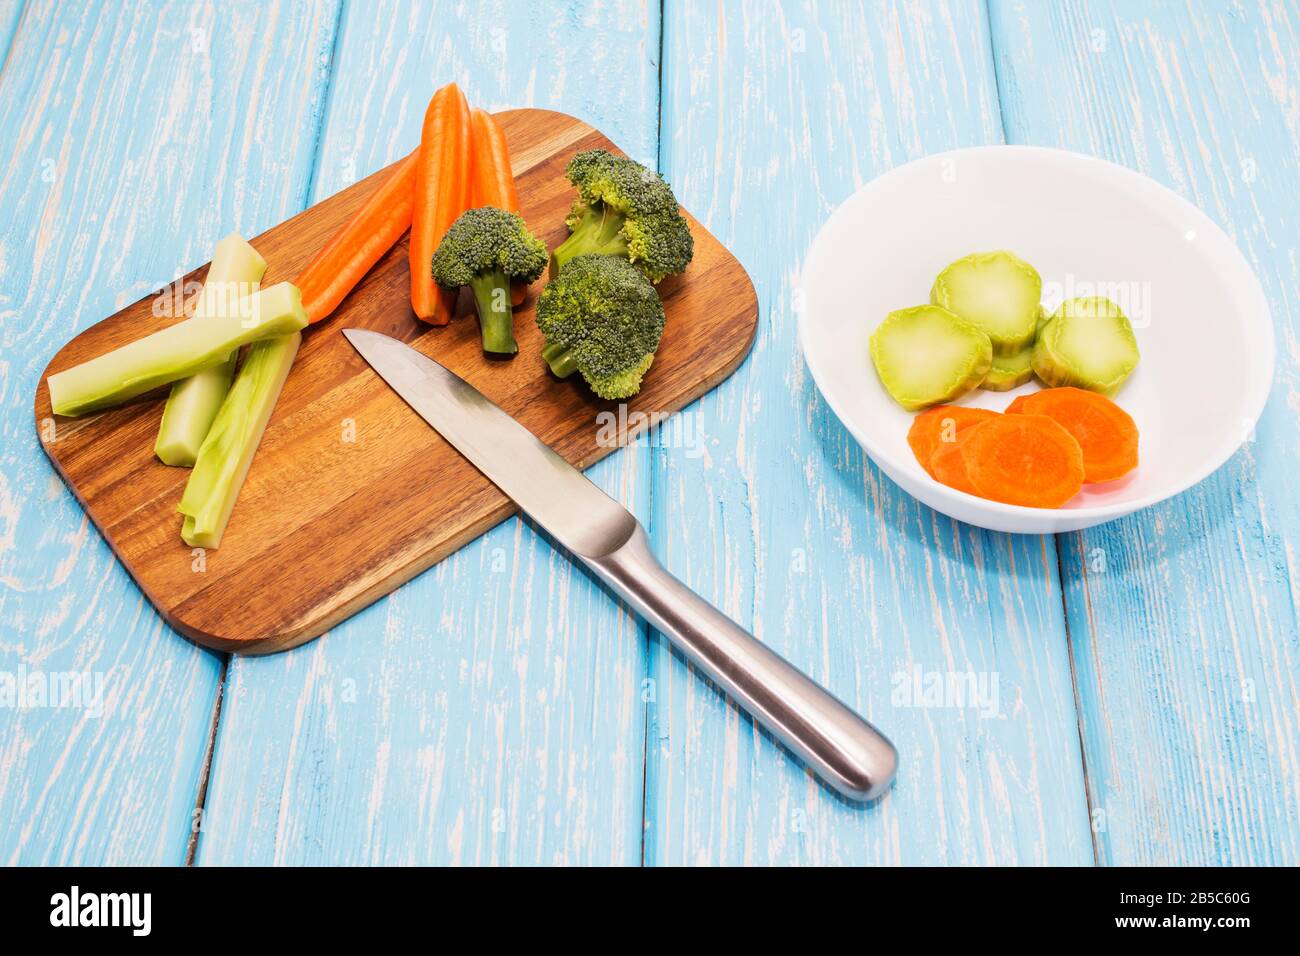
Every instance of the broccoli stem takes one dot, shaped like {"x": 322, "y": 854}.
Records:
{"x": 598, "y": 232}
{"x": 495, "y": 319}
{"x": 561, "y": 360}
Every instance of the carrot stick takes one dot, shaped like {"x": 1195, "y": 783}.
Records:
{"x": 1105, "y": 432}
{"x": 941, "y": 425}
{"x": 359, "y": 244}
{"x": 493, "y": 183}
{"x": 1023, "y": 459}
{"x": 441, "y": 195}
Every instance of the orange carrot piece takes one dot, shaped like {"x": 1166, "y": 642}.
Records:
{"x": 493, "y": 183}
{"x": 1105, "y": 432}
{"x": 441, "y": 195}
{"x": 941, "y": 425}
{"x": 948, "y": 466}
{"x": 1017, "y": 405}
{"x": 1025, "y": 460}
{"x": 359, "y": 243}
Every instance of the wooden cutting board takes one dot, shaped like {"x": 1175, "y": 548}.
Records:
{"x": 351, "y": 493}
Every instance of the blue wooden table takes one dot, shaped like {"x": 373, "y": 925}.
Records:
{"x": 1131, "y": 689}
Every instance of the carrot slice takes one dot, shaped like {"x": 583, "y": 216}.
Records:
{"x": 441, "y": 195}
{"x": 359, "y": 244}
{"x": 1105, "y": 432}
{"x": 941, "y": 425}
{"x": 948, "y": 464}
{"x": 1025, "y": 460}
{"x": 1017, "y": 405}
{"x": 492, "y": 182}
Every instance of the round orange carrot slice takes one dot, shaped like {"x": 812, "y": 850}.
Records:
{"x": 1106, "y": 433}
{"x": 940, "y": 426}
{"x": 1025, "y": 460}
{"x": 1017, "y": 405}
{"x": 948, "y": 466}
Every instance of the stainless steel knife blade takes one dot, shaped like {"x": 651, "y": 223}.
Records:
{"x": 845, "y": 750}
{"x": 558, "y": 497}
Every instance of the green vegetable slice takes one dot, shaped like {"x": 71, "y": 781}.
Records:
{"x": 227, "y": 451}
{"x": 926, "y": 355}
{"x": 175, "y": 352}
{"x": 1009, "y": 371}
{"x": 235, "y": 271}
{"x": 997, "y": 292}
{"x": 1088, "y": 343}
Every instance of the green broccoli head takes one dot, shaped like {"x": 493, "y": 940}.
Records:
{"x": 485, "y": 249}
{"x": 624, "y": 209}
{"x": 603, "y": 318}
{"x": 488, "y": 240}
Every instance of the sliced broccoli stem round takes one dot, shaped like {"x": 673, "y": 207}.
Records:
{"x": 598, "y": 232}
{"x": 561, "y": 360}
{"x": 495, "y": 319}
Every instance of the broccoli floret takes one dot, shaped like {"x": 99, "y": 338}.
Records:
{"x": 602, "y": 318}
{"x": 624, "y": 209}
{"x": 484, "y": 249}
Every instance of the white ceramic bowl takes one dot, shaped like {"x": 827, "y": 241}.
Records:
{"x": 1089, "y": 227}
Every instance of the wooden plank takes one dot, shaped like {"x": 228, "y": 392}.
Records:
{"x": 337, "y": 509}
{"x": 1183, "y": 618}
{"x": 488, "y": 711}
{"x": 193, "y": 121}
{"x": 772, "y": 115}
{"x": 10, "y": 13}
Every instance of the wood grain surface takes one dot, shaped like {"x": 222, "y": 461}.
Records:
{"x": 489, "y": 711}
{"x": 799, "y": 536}
{"x": 204, "y": 118}
{"x": 1184, "y": 619}
{"x": 351, "y": 494}
{"x": 501, "y": 707}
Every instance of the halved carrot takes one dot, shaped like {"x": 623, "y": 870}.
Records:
{"x": 948, "y": 466}
{"x": 441, "y": 195}
{"x": 1105, "y": 432}
{"x": 1025, "y": 460}
{"x": 359, "y": 244}
{"x": 941, "y": 425}
{"x": 492, "y": 182}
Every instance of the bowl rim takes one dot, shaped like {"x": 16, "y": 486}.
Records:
{"x": 1256, "y": 397}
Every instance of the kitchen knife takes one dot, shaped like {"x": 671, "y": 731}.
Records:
{"x": 841, "y": 747}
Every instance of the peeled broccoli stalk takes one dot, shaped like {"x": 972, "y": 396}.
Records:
{"x": 495, "y": 318}
{"x": 1009, "y": 371}
{"x": 926, "y": 356}
{"x": 190, "y": 409}
{"x": 624, "y": 209}
{"x": 485, "y": 249}
{"x": 175, "y": 352}
{"x": 235, "y": 271}
{"x": 1087, "y": 343}
{"x": 602, "y": 318}
{"x": 997, "y": 292}
{"x": 227, "y": 451}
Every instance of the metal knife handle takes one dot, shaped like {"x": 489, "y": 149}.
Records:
{"x": 845, "y": 750}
